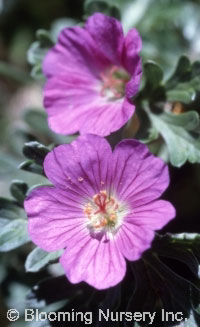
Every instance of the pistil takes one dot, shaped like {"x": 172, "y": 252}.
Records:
{"x": 113, "y": 82}
{"x": 103, "y": 211}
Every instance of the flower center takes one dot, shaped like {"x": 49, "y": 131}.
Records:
{"x": 104, "y": 212}
{"x": 113, "y": 82}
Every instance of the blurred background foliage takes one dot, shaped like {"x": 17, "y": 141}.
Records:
{"x": 169, "y": 29}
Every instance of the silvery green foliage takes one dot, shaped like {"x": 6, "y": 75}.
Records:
{"x": 39, "y": 258}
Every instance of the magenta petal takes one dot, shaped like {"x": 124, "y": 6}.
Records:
{"x": 131, "y": 48}
{"x": 103, "y": 208}
{"x": 111, "y": 116}
{"x": 132, "y": 62}
{"x": 153, "y": 215}
{"x": 139, "y": 225}
{"x": 100, "y": 264}
{"x": 134, "y": 239}
{"x": 140, "y": 177}
{"x": 54, "y": 217}
{"x": 108, "y": 35}
{"x": 68, "y": 111}
{"x": 83, "y": 88}
{"x": 75, "y": 48}
{"x": 82, "y": 166}
{"x": 85, "y": 109}
{"x": 133, "y": 85}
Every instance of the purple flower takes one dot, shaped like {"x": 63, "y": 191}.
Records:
{"x": 92, "y": 74}
{"x": 102, "y": 209}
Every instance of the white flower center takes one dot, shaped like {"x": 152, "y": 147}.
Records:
{"x": 113, "y": 83}
{"x": 104, "y": 213}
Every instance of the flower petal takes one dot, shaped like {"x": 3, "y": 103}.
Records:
{"x": 68, "y": 99}
{"x": 54, "y": 216}
{"x": 82, "y": 108}
{"x": 108, "y": 35}
{"x": 153, "y": 215}
{"x": 100, "y": 264}
{"x": 82, "y": 166}
{"x": 108, "y": 117}
{"x": 133, "y": 240}
{"x": 75, "y": 51}
{"x": 74, "y": 69}
{"x": 133, "y": 85}
{"x": 137, "y": 231}
{"x": 131, "y": 48}
{"x": 138, "y": 176}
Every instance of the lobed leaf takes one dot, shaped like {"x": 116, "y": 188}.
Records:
{"x": 175, "y": 130}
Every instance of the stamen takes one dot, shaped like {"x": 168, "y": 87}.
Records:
{"x": 113, "y": 82}
{"x": 103, "y": 212}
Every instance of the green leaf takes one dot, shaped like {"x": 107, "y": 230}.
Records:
{"x": 18, "y": 189}
{"x": 9, "y": 209}
{"x": 152, "y": 136}
{"x": 195, "y": 68}
{"x": 37, "y": 73}
{"x": 44, "y": 38}
{"x": 13, "y": 235}
{"x": 153, "y": 74}
{"x": 186, "y": 95}
{"x": 39, "y": 258}
{"x": 184, "y": 92}
{"x": 29, "y": 165}
{"x": 37, "y": 52}
{"x": 36, "y": 151}
{"x": 93, "y": 6}
{"x": 184, "y": 83}
{"x": 181, "y": 72}
{"x": 175, "y": 130}
{"x": 4, "y": 222}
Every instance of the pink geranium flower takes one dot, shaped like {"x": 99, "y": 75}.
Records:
{"x": 92, "y": 74}
{"x": 102, "y": 209}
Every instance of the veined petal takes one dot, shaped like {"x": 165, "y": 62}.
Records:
{"x": 92, "y": 74}
{"x": 82, "y": 166}
{"x": 139, "y": 225}
{"x": 102, "y": 208}
{"x": 131, "y": 48}
{"x": 152, "y": 215}
{"x": 75, "y": 48}
{"x": 55, "y": 216}
{"x": 138, "y": 176}
{"x": 108, "y": 117}
{"x": 82, "y": 108}
{"x": 133, "y": 240}
{"x": 100, "y": 264}
{"x": 133, "y": 85}
{"x": 108, "y": 35}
